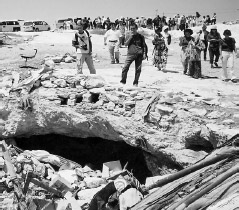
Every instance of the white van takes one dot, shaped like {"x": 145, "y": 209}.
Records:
{"x": 35, "y": 26}
{"x": 10, "y": 26}
{"x": 62, "y": 23}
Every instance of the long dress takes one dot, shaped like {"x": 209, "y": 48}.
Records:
{"x": 194, "y": 50}
{"x": 184, "y": 43}
{"x": 160, "y": 52}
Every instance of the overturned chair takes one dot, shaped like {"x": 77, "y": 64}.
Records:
{"x": 26, "y": 57}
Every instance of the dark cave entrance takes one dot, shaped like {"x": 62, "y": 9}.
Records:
{"x": 94, "y": 151}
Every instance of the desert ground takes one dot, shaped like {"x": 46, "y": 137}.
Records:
{"x": 217, "y": 95}
{"x": 59, "y": 43}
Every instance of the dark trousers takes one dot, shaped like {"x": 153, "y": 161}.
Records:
{"x": 138, "y": 58}
{"x": 205, "y": 50}
{"x": 212, "y": 53}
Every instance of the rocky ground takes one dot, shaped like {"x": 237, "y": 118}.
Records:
{"x": 176, "y": 120}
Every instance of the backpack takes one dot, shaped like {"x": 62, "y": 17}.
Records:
{"x": 76, "y": 42}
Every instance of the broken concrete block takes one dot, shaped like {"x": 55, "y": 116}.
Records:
{"x": 60, "y": 83}
{"x": 111, "y": 168}
{"x": 94, "y": 182}
{"x": 60, "y": 183}
{"x": 69, "y": 174}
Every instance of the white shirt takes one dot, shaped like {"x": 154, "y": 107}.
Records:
{"x": 82, "y": 39}
{"x": 112, "y": 35}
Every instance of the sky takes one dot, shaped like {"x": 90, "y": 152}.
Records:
{"x": 51, "y": 10}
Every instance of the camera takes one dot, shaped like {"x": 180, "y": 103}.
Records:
{"x": 84, "y": 47}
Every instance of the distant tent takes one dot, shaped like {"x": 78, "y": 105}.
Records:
{"x": 198, "y": 15}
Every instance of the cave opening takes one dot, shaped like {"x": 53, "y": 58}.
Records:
{"x": 93, "y": 151}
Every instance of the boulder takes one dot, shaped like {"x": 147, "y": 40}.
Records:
{"x": 110, "y": 106}
{"x": 48, "y": 84}
{"x": 94, "y": 81}
{"x": 112, "y": 98}
{"x": 60, "y": 83}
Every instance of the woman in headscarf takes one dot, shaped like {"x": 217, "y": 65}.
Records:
{"x": 160, "y": 51}
{"x": 194, "y": 49}
{"x": 227, "y": 54}
{"x": 184, "y": 42}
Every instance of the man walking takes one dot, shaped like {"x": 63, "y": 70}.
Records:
{"x": 113, "y": 37}
{"x": 81, "y": 41}
{"x": 137, "y": 51}
{"x": 214, "y": 39}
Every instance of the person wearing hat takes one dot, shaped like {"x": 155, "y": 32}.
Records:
{"x": 113, "y": 37}
{"x": 214, "y": 38}
{"x": 184, "y": 43}
{"x": 227, "y": 53}
{"x": 82, "y": 42}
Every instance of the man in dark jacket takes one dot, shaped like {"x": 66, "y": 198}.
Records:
{"x": 137, "y": 51}
{"x": 214, "y": 39}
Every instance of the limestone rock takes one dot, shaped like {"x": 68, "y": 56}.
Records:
{"x": 69, "y": 59}
{"x": 110, "y": 106}
{"x": 228, "y": 121}
{"x": 215, "y": 114}
{"x": 94, "y": 81}
{"x": 97, "y": 90}
{"x": 112, "y": 98}
{"x": 87, "y": 97}
{"x": 60, "y": 83}
{"x": 48, "y": 84}
{"x": 162, "y": 108}
{"x": 57, "y": 59}
{"x": 198, "y": 112}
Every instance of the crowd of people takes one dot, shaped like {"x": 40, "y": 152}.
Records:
{"x": 176, "y": 22}
{"x": 191, "y": 46}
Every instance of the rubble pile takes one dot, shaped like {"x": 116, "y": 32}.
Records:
{"x": 41, "y": 179}
{"x": 66, "y": 58}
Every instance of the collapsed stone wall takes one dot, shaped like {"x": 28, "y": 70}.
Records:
{"x": 167, "y": 125}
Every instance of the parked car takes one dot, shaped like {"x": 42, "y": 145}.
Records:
{"x": 10, "y": 26}
{"x": 62, "y": 23}
{"x": 36, "y": 26}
